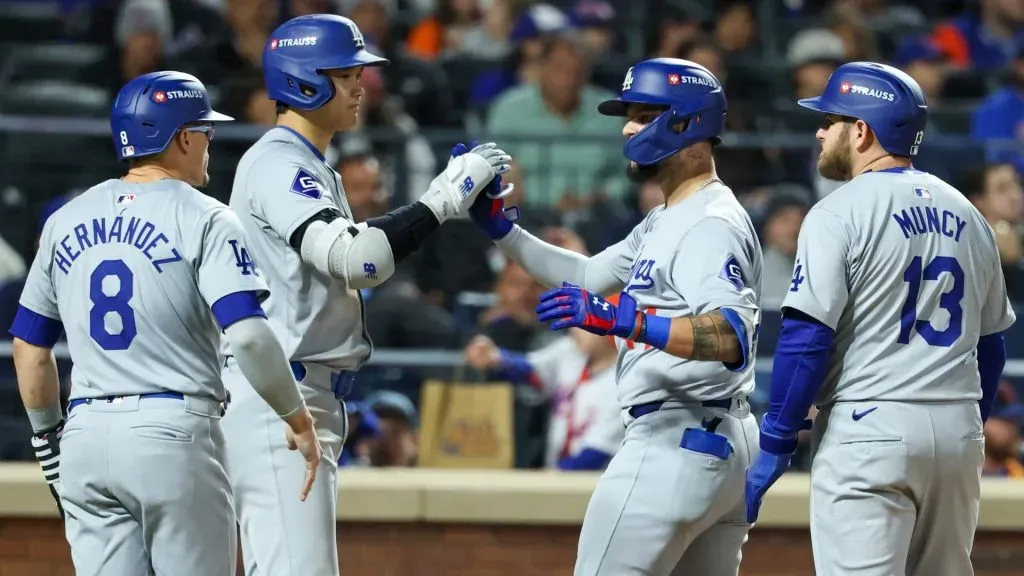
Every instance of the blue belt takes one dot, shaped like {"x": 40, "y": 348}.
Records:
{"x": 341, "y": 382}
{"x": 648, "y": 407}
{"x": 79, "y": 401}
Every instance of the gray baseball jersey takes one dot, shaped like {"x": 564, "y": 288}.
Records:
{"x": 697, "y": 256}
{"x": 281, "y": 182}
{"x": 907, "y": 273}
{"x": 132, "y": 271}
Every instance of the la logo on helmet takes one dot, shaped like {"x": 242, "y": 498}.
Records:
{"x": 628, "y": 82}
{"x": 357, "y": 36}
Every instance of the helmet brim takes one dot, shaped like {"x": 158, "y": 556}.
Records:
{"x": 360, "y": 58}
{"x": 812, "y": 104}
{"x": 614, "y": 107}
{"x": 214, "y": 116}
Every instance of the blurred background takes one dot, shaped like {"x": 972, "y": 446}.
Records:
{"x": 441, "y": 390}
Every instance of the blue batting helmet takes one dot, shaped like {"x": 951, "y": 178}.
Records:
{"x": 151, "y": 108}
{"x": 696, "y": 107}
{"x": 300, "y": 49}
{"x": 888, "y": 100}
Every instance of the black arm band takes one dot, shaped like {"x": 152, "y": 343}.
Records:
{"x": 327, "y": 215}
{"x": 406, "y": 228}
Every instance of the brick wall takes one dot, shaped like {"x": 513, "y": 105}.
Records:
{"x": 37, "y": 548}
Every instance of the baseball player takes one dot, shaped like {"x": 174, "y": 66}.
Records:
{"x": 316, "y": 259}
{"x": 143, "y": 273}
{"x": 671, "y": 499}
{"x": 893, "y": 328}
{"x": 578, "y": 374}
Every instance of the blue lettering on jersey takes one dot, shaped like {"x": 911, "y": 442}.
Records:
{"x": 918, "y": 220}
{"x": 798, "y": 277}
{"x": 306, "y": 185}
{"x": 243, "y": 261}
{"x": 732, "y": 273}
{"x": 139, "y": 233}
{"x": 640, "y": 276}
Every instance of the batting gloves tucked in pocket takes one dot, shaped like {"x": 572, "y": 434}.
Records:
{"x": 46, "y": 446}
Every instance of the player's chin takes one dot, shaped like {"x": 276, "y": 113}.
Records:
{"x": 639, "y": 174}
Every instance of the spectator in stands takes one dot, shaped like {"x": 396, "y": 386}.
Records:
{"x": 421, "y": 86}
{"x": 1000, "y": 117}
{"x": 859, "y": 41}
{"x": 364, "y": 185}
{"x": 782, "y": 219}
{"x": 143, "y": 31}
{"x": 921, "y": 58}
{"x": 577, "y": 374}
{"x": 581, "y": 158}
{"x": 463, "y": 27}
{"x": 735, "y": 30}
{"x": 641, "y": 200}
{"x": 995, "y": 189}
{"x": 512, "y": 322}
{"x": 295, "y": 8}
{"x": 398, "y": 443}
{"x": 887, "y": 19}
{"x": 812, "y": 55}
{"x": 530, "y": 29}
{"x": 363, "y": 434}
{"x": 675, "y": 28}
{"x": 405, "y": 152}
{"x": 245, "y": 98}
{"x": 984, "y": 39}
{"x": 1003, "y": 435}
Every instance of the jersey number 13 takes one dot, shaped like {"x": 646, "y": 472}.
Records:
{"x": 116, "y": 302}
{"x": 949, "y": 301}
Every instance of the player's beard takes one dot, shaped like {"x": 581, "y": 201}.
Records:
{"x": 638, "y": 174}
{"x": 836, "y": 162}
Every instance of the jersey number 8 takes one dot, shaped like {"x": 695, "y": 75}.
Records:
{"x": 116, "y": 303}
{"x": 949, "y": 301}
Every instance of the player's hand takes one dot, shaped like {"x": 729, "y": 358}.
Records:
{"x": 301, "y": 436}
{"x": 488, "y": 211}
{"x": 570, "y": 306}
{"x": 46, "y": 446}
{"x": 766, "y": 469}
{"x": 468, "y": 173}
{"x": 482, "y": 353}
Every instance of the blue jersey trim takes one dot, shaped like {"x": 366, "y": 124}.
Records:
{"x": 734, "y": 320}
{"x": 35, "y": 328}
{"x": 237, "y": 306}
{"x": 303, "y": 139}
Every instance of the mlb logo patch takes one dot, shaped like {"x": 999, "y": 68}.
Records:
{"x": 128, "y": 151}
{"x": 922, "y": 193}
{"x": 125, "y": 199}
{"x": 306, "y": 185}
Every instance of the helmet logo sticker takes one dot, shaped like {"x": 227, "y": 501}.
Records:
{"x": 159, "y": 97}
{"x": 628, "y": 82}
{"x": 673, "y": 79}
{"x": 357, "y": 36}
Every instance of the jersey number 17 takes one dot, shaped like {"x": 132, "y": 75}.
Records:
{"x": 949, "y": 301}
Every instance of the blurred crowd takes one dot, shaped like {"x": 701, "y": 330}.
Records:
{"x": 528, "y": 74}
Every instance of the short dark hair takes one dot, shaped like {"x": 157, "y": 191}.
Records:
{"x": 971, "y": 182}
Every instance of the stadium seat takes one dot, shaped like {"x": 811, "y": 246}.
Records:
{"x": 54, "y": 98}
{"x": 30, "y": 21}
{"x": 50, "y": 62}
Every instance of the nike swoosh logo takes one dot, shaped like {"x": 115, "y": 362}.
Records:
{"x": 857, "y": 416}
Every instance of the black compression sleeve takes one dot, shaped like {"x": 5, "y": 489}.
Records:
{"x": 406, "y": 228}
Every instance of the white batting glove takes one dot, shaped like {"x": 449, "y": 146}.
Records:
{"x": 453, "y": 191}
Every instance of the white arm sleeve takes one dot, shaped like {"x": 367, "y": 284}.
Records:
{"x": 262, "y": 361}
{"x": 355, "y": 253}
{"x": 603, "y": 273}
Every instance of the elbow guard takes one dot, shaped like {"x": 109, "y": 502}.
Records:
{"x": 359, "y": 255}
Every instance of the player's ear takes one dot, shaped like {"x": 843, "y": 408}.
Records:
{"x": 863, "y": 137}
